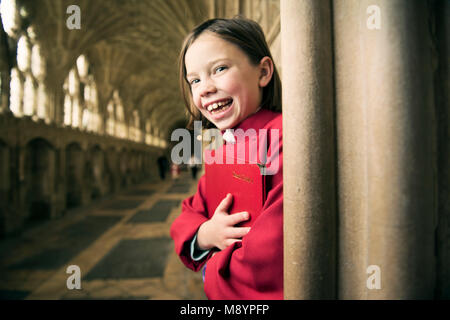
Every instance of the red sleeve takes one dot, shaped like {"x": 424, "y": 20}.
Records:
{"x": 183, "y": 229}
{"x": 253, "y": 269}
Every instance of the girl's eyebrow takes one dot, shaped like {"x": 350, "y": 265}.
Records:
{"x": 209, "y": 64}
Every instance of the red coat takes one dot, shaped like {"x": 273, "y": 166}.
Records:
{"x": 253, "y": 268}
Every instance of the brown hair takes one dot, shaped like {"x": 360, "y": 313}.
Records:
{"x": 249, "y": 37}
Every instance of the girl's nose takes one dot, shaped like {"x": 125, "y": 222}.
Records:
{"x": 207, "y": 88}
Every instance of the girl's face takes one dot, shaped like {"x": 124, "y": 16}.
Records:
{"x": 225, "y": 86}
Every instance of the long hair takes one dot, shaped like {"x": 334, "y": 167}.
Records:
{"x": 249, "y": 37}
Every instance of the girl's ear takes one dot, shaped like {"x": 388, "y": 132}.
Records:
{"x": 266, "y": 67}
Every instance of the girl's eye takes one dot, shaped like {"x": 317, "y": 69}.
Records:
{"x": 194, "y": 81}
{"x": 221, "y": 68}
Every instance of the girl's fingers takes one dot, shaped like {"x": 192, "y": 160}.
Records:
{"x": 235, "y": 218}
{"x": 234, "y": 234}
{"x": 237, "y": 232}
{"x": 225, "y": 203}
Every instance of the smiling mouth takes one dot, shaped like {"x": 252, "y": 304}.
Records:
{"x": 220, "y": 106}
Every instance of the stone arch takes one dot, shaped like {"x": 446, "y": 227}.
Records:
{"x": 40, "y": 179}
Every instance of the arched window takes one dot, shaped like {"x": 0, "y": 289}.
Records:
{"x": 82, "y": 66}
{"x": 91, "y": 116}
{"x": 67, "y": 110}
{"x": 38, "y": 72}
{"x": 71, "y": 101}
{"x": 37, "y": 68}
{"x": 16, "y": 90}
{"x": 41, "y": 101}
{"x": 121, "y": 130}
{"x": 27, "y": 89}
{"x": 29, "y": 101}
{"x": 10, "y": 17}
{"x": 148, "y": 135}
{"x": 135, "y": 130}
{"x": 110, "y": 122}
{"x": 23, "y": 54}
{"x": 86, "y": 118}
{"x": 76, "y": 112}
{"x": 81, "y": 101}
{"x": 72, "y": 82}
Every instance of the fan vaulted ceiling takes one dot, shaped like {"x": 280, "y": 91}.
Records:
{"x": 131, "y": 46}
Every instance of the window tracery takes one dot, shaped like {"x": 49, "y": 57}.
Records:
{"x": 27, "y": 94}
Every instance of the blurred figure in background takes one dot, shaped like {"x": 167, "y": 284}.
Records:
{"x": 194, "y": 166}
{"x": 163, "y": 166}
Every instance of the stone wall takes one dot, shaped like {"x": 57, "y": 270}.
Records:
{"x": 47, "y": 169}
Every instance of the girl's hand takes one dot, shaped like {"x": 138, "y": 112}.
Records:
{"x": 220, "y": 230}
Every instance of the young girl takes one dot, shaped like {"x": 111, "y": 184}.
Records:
{"x": 229, "y": 80}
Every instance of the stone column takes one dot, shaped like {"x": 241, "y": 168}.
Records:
{"x": 54, "y": 81}
{"x": 212, "y": 9}
{"x": 442, "y": 81}
{"x": 308, "y": 174}
{"x": 386, "y": 149}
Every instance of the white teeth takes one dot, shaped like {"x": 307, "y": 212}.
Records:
{"x": 216, "y": 105}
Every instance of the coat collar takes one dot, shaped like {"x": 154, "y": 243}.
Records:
{"x": 254, "y": 121}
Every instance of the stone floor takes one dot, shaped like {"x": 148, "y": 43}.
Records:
{"x": 121, "y": 244}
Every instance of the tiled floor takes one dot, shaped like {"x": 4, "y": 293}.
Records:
{"x": 121, "y": 245}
